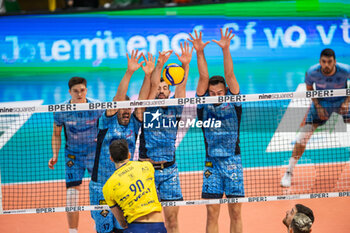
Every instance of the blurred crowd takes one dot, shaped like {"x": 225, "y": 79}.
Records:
{"x": 25, "y": 6}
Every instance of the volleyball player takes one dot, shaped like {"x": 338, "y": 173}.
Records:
{"x": 80, "y": 129}
{"x": 157, "y": 145}
{"x": 131, "y": 193}
{"x": 297, "y": 208}
{"x": 328, "y": 74}
{"x": 117, "y": 124}
{"x": 223, "y": 166}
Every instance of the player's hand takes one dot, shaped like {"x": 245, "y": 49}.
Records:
{"x": 322, "y": 113}
{"x": 150, "y": 61}
{"x": 52, "y": 162}
{"x": 225, "y": 41}
{"x": 163, "y": 57}
{"x": 186, "y": 54}
{"x": 344, "y": 108}
{"x": 133, "y": 61}
{"x": 197, "y": 42}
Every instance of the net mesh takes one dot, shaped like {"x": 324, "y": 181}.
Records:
{"x": 269, "y": 130}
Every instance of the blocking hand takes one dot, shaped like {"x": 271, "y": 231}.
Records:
{"x": 225, "y": 40}
{"x": 197, "y": 42}
{"x": 133, "y": 61}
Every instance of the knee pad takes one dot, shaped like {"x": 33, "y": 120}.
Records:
{"x": 72, "y": 197}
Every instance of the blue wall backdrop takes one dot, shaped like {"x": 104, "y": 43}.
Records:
{"x": 40, "y": 53}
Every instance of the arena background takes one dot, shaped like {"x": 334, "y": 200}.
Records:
{"x": 39, "y": 53}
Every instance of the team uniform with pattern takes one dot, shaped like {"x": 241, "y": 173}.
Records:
{"x": 223, "y": 166}
{"x": 133, "y": 190}
{"x": 157, "y": 142}
{"x": 80, "y": 130}
{"x": 337, "y": 81}
{"x": 109, "y": 130}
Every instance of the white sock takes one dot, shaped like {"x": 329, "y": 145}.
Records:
{"x": 72, "y": 230}
{"x": 291, "y": 165}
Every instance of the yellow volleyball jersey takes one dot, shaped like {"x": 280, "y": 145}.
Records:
{"x": 132, "y": 188}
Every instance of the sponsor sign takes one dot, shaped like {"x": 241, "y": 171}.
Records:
{"x": 158, "y": 120}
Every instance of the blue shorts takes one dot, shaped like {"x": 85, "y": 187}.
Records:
{"x": 330, "y": 106}
{"x": 223, "y": 175}
{"x": 76, "y": 165}
{"x": 104, "y": 219}
{"x": 145, "y": 227}
{"x": 168, "y": 184}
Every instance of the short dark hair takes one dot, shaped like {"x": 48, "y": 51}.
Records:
{"x": 216, "y": 80}
{"x": 76, "y": 80}
{"x": 305, "y": 210}
{"x": 162, "y": 80}
{"x": 301, "y": 223}
{"x": 119, "y": 150}
{"x": 328, "y": 53}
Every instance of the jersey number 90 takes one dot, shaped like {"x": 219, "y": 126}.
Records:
{"x": 137, "y": 187}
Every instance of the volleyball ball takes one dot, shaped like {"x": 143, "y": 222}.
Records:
{"x": 173, "y": 74}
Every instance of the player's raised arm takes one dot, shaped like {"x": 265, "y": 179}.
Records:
{"x": 199, "y": 46}
{"x": 230, "y": 77}
{"x": 185, "y": 59}
{"x": 146, "y": 85}
{"x": 157, "y": 72}
{"x": 56, "y": 145}
{"x": 133, "y": 65}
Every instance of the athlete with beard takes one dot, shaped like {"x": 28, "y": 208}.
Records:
{"x": 323, "y": 76}
{"x": 298, "y": 208}
{"x": 157, "y": 145}
{"x": 118, "y": 124}
{"x": 223, "y": 172}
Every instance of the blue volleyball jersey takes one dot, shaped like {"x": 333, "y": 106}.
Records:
{"x": 80, "y": 128}
{"x": 109, "y": 130}
{"x": 222, "y": 141}
{"x": 337, "y": 81}
{"x": 158, "y": 142}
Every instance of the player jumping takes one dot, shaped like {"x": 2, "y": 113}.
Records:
{"x": 223, "y": 166}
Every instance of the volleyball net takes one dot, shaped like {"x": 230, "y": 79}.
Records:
{"x": 270, "y": 125}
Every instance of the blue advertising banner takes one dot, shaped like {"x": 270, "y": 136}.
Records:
{"x": 102, "y": 41}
